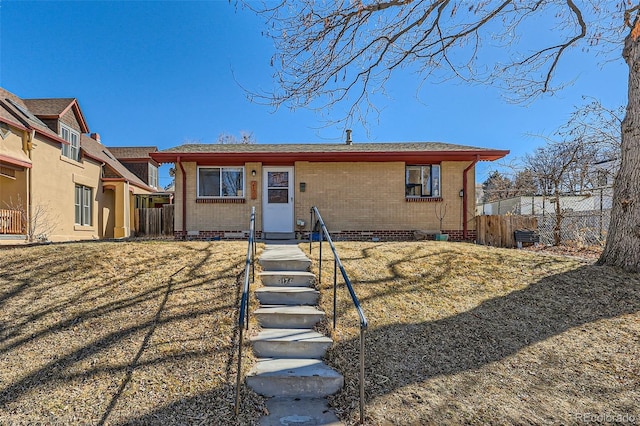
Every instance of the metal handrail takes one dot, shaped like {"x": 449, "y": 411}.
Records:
{"x": 337, "y": 264}
{"x": 243, "y": 315}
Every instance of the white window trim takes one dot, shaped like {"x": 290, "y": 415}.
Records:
{"x": 244, "y": 183}
{"x": 153, "y": 176}
{"x": 68, "y": 149}
{"x": 85, "y": 205}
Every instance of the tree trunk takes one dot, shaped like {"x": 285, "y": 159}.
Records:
{"x": 623, "y": 238}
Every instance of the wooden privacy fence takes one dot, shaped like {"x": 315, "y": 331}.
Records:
{"x": 498, "y": 231}
{"x": 154, "y": 222}
{"x": 11, "y": 222}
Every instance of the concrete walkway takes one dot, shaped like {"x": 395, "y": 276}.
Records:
{"x": 289, "y": 369}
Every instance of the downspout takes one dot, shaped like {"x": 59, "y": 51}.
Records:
{"x": 464, "y": 196}
{"x": 184, "y": 196}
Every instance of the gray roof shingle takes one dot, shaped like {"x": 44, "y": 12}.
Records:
{"x": 322, "y": 147}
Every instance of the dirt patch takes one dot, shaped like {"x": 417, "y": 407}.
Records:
{"x": 466, "y": 334}
{"x": 121, "y": 333}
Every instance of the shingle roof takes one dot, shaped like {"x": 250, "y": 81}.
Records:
{"x": 55, "y": 108}
{"x": 14, "y": 109}
{"x": 124, "y": 152}
{"x": 323, "y": 147}
{"x": 49, "y": 107}
{"x": 280, "y": 154}
{"x": 99, "y": 152}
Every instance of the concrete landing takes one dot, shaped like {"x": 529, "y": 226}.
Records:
{"x": 284, "y": 257}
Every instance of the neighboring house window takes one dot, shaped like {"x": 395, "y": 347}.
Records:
{"x": 153, "y": 176}
{"x": 72, "y": 150}
{"x": 83, "y": 205}
{"x": 7, "y": 172}
{"x": 422, "y": 181}
{"x": 220, "y": 182}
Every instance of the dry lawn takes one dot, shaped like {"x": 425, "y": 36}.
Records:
{"x": 121, "y": 333}
{"x": 145, "y": 333}
{"x": 464, "y": 334}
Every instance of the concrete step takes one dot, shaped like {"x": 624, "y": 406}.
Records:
{"x": 287, "y": 296}
{"x": 284, "y": 258}
{"x": 301, "y": 378}
{"x": 282, "y": 316}
{"x": 299, "y": 411}
{"x": 290, "y": 343}
{"x": 287, "y": 278}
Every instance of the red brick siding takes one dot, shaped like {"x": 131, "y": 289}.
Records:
{"x": 389, "y": 235}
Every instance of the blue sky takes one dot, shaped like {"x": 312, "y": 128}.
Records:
{"x": 163, "y": 73}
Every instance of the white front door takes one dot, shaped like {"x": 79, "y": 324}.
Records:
{"x": 277, "y": 199}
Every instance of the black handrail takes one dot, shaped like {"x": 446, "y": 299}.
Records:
{"x": 243, "y": 315}
{"x": 337, "y": 264}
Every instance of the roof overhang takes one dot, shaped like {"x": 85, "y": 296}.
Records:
{"x": 289, "y": 158}
{"x": 110, "y": 183}
{"x": 38, "y": 131}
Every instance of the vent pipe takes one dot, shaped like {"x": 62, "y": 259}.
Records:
{"x": 348, "y": 136}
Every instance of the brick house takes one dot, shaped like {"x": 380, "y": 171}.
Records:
{"x": 57, "y": 181}
{"x": 363, "y": 190}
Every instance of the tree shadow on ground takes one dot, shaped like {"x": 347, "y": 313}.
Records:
{"x": 146, "y": 309}
{"x": 398, "y": 355}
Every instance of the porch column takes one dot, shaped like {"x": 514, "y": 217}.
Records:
{"x": 122, "y": 203}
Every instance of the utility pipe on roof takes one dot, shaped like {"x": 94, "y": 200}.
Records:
{"x": 464, "y": 196}
{"x": 184, "y": 196}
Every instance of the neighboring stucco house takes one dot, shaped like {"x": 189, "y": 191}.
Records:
{"x": 364, "y": 191}
{"x": 138, "y": 160}
{"x": 56, "y": 182}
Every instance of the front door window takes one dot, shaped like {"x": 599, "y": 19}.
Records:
{"x": 278, "y": 187}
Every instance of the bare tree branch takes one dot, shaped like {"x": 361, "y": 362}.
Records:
{"x": 343, "y": 53}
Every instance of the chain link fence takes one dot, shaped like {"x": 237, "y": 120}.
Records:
{"x": 577, "y": 219}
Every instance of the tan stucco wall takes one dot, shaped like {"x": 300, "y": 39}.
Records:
{"x": 107, "y": 216}
{"x": 350, "y": 196}
{"x": 53, "y": 191}
{"x": 13, "y": 191}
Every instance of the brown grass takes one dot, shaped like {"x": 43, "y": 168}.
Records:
{"x": 144, "y": 333}
{"x": 121, "y": 333}
{"x": 464, "y": 334}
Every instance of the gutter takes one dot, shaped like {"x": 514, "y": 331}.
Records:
{"x": 184, "y": 195}
{"x": 464, "y": 197}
